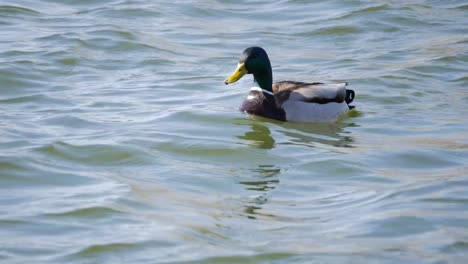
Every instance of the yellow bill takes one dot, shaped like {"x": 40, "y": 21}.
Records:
{"x": 237, "y": 74}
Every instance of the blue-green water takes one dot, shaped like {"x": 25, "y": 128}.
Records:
{"x": 119, "y": 142}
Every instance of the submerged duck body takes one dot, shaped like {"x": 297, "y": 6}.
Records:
{"x": 288, "y": 100}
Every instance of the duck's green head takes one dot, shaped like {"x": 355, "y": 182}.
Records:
{"x": 254, "y": 60}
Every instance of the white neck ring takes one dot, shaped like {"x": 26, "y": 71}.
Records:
{"x": 261, "y": 90}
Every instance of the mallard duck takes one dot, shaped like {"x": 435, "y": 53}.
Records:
{"x": 288, "y": 100}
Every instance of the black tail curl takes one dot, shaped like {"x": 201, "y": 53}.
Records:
{"x": 349, "y": 98}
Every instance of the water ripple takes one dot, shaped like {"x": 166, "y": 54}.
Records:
{"x": 16, "y": 10}
{"x": 120, "y": 142}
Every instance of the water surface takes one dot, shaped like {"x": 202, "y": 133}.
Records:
{"x": 119, "y": 142}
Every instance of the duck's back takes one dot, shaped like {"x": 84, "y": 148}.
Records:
{"x": 309, "y": 92}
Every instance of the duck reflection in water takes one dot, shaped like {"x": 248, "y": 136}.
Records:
{"x": 260, "y": 136}
{"x": 265, "y": 177}
{"x": 332, "y": 134}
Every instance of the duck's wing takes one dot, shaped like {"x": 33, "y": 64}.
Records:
{"x": 309, "y": 92}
